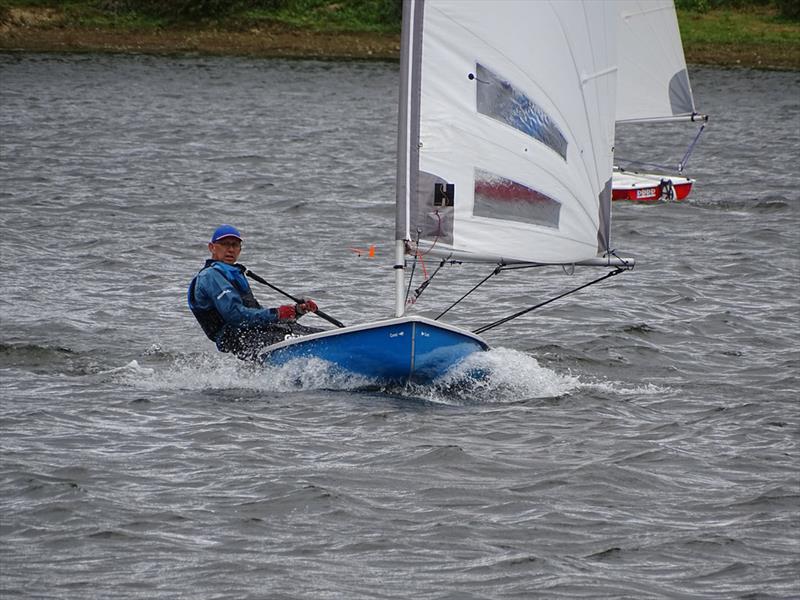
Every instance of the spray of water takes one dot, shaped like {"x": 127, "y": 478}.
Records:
{"x": 500, "y": 375}
{"x": 620, "y": 388}
{"x": 211, "y": 372}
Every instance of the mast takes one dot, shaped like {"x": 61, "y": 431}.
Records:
{"x": 399, "y": 278}
{"x": 407, "y": 136}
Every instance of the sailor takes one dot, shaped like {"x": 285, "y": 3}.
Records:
{"x": 223, "y": 303}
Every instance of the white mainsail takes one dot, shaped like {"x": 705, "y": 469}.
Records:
{"x": 653, "y": 83}
{"x": 507, "y": 119}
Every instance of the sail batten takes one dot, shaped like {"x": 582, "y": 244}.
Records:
{"x": 514, "y": 109}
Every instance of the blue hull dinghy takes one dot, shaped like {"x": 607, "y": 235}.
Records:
{"x": 395, "y": 351}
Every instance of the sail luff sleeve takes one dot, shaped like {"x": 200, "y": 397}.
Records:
{"x": 408, "y": 117}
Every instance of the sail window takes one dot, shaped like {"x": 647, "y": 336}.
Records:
{"x": 500, "y": 100}
{"x": 500, "y": 198}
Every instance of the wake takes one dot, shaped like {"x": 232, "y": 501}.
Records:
{"x": 501, "y": 375}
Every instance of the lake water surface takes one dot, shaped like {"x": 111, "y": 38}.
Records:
{"x": 636, "y": 440}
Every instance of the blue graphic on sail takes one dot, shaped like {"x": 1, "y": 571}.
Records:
{"x": 499, "y": 99}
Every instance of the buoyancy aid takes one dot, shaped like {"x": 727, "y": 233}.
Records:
{"x": 209, "y": 318}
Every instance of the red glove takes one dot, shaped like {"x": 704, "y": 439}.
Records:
{"x": 286, "y": 312}
{"x": 306, "y": 306}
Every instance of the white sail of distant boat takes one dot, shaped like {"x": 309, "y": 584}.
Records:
{"x": 652, "y": 86}
{"x": 506, "y": 130}
{"x": 653, "y": 81}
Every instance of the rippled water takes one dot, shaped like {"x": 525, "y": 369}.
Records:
{"x": 636, "y": 440}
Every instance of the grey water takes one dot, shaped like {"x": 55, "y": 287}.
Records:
{"x": 638, "y": 439}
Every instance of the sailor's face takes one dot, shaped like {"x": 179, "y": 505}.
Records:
{"x": 226, "y": 250}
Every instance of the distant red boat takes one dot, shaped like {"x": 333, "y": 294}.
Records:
{"x": 652, "y": 87}
{"x": 649, "y": 187}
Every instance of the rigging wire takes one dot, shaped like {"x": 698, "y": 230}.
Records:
{"x": 426, "y": 283}
{"x": 627, "y": 267}
{"x": 421, "y": 256}
{"x": 681, "y": 165}
{"x": 413, "y": 267}
{"x": 496, "y": 270}
{"x": 689, "y": 151}
{"x": 485, "y": 328}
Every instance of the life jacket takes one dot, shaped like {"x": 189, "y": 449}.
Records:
{"x": 210, "y": 319}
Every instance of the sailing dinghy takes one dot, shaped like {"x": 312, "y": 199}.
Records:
{"x": 649, "y": 187}
{"x": 652, "y": 87}
{"x": 506, "y": 129}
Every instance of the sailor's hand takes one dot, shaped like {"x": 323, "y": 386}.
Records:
{"x": 306, "y": 306}
{"x": 287, "y": 312}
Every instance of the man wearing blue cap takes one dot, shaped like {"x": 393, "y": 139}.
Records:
{"x": 223, "y": 303}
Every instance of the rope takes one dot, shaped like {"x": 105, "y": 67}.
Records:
{"x": 480, "y": 330}
{"x": 681, "y": 164}
{"x": 426, "y": 283}
{"x": 411, "y": 277}
{"x": 613, "y": 253}
{"x": 421, "y": 256}
{"x": 485, "y": 279}
{"x": 689, "y": 151}
{"x": 435, "y": 240}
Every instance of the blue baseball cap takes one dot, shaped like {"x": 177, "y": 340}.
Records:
{"x": 224, "y": 231}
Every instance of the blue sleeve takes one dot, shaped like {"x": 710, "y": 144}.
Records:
{"x": 213, "y": 289}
